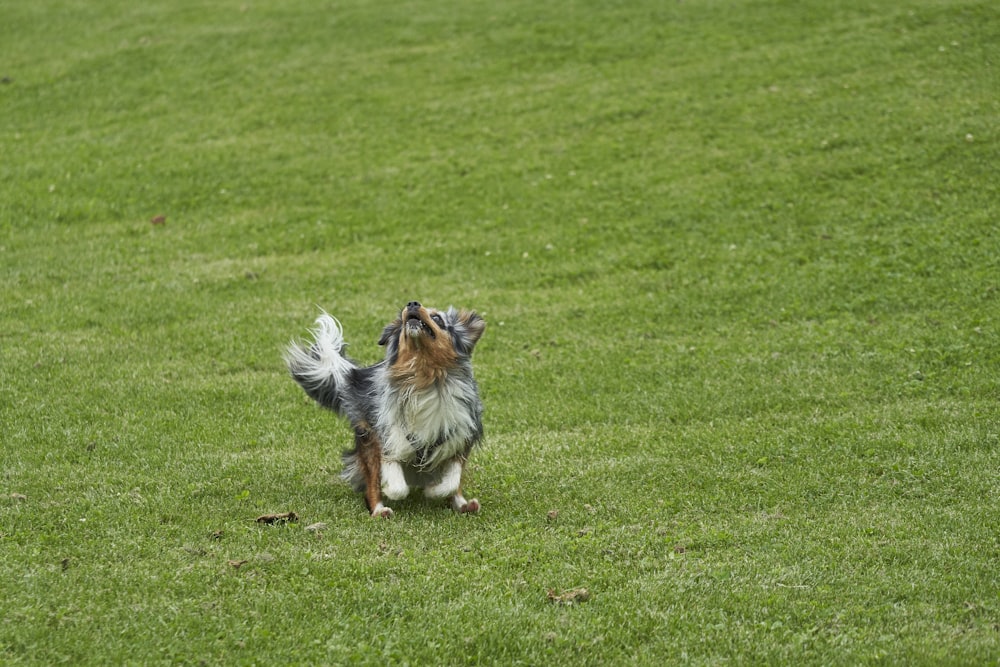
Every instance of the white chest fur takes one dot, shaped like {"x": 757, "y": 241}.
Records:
{"x": 436, "y": 421}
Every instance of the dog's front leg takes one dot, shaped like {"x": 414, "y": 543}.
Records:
{"x": 450, "y": 485}
{"x": 393, "y": 480}
{"x": 449, "y": 482}
{"x": 394, "y": 449}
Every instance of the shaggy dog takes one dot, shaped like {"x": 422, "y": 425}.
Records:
{"x": 416, "y": 414}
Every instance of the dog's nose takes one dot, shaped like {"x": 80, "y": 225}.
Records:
{"x": 413, "y": 305}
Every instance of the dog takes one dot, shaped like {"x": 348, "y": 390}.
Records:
{"x": 416, "y": 414}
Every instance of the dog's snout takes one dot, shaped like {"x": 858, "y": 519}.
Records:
{"x": 413, "y": 305}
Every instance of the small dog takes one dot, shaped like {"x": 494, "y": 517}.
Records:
{"x": 416, "y": 415}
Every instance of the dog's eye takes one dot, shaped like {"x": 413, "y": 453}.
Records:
{"x": 438, "y": 320}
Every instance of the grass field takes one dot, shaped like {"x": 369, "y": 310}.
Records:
{"x": 740, "y": 263}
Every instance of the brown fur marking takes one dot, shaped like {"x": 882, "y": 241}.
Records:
{"x": 369, "y": 449}
{"x": 426, "y": 359}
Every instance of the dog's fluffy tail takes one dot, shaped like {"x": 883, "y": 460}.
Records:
{"x": 320, "y": 368}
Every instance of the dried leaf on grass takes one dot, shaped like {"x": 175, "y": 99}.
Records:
{"x": 278, "y": 518}
{"x": 571, "y": 596}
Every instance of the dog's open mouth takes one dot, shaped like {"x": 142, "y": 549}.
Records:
{"x": 416, "y": 327}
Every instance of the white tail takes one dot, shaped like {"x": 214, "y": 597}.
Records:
{"x": 321, "y": 363}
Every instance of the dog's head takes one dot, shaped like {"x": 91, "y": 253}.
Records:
{"x": 423, "y": 344}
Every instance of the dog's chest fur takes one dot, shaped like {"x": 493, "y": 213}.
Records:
{"x": 438, "y": 422}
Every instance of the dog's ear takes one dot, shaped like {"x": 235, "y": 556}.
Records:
{"x": 391, "y": 331}
{"x": 474, "y": 326}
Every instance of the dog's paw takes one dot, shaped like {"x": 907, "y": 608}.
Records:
{"x": 382, "y": 512}
{"x": 463, "y": 506}
{"x": 471, "y": 507}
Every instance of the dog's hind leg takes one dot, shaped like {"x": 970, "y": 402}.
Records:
{"x": 369, "y": 453}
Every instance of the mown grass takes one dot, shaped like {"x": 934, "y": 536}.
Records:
{"x": 739, "y": 264}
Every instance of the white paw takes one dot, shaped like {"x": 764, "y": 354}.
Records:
{"x": 463, "y": 506}
{"x": 382, "y": 512}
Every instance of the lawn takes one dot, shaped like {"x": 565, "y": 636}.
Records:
{"x": 740, "y": 264}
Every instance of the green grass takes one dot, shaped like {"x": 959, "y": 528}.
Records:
{"x": 741, "y": 267}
